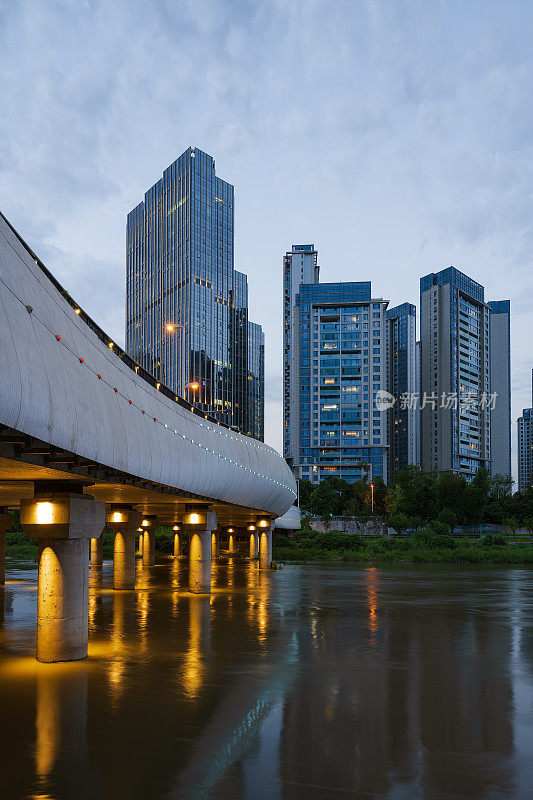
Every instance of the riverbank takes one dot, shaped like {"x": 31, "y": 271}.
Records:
{"x": 422, "y": 548}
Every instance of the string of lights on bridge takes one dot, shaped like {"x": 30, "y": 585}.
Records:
{"x": 173, "y": 430}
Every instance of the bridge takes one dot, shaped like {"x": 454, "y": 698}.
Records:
{"x": 89, "y": 440}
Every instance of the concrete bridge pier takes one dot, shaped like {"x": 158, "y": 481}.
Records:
{"x": 97, "y": 551}
{"x": 201, "y": 524}
{"x": 254, "y": 541}
{"x": 148, "y": 525}
{"x": 231, "y": 541}
{"x": 215, "y": 546}
{"x": 176, "y": 530}
{"x": 63, "y": 519}
{"x": 123, "y": 521}
{"x": 6, "y": 520}
{"x": 265, "y": 544}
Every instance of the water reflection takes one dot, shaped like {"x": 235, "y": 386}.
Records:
{"x": 305, "y": 683}
{"x": 60, "y": 729}
{"x": 195, "y": 663}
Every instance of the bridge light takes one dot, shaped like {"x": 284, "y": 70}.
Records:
{"x": 45, "y": 513}
{"x": 77, "y": 310}
{"x": 99, "y": 377}
{"x": 110, "y": 345}
{"x": 82, "y": 360}
{"x": 58, "y": 337}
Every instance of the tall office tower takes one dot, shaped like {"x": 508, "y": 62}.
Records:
{"x": 402, "y": 384}
{"x": 500, "y": 378}
{"x": 455, "y": 363}
{"x": 300, "y": 266}
{"x": 255, "y": 424}
{"x": 239, "y": 338}
{"x": 338, "y": 364}
{"x": 180, "y": 273}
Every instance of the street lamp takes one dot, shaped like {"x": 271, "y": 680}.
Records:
{"x": 372, "y": 495}
{"x": 172, "y": 327}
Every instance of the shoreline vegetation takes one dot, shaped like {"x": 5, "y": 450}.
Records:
{"x": 423, "y": 547}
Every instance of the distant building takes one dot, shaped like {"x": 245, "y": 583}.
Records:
{"x": 338, "y": 365}
{"x": 300, "y": 266}
{"x": 255, "y": 390}
{"x": 180, "y": 273}
{"x": 403, "y": 386}
{"x": 525, "y": 446}
{"x": 455, "y": 362}
{"x": 525, "y": 450}
{"x": 500, "y": 378}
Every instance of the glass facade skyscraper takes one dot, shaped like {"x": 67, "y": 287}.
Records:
{"x": 402, "y": 385}
{"x": 338, "y": 362}
{"x": 300, "y": 266}
{"x": 180, "y": 272}
{"x": 255, "y": 423}
{"x": 525, "y": 450}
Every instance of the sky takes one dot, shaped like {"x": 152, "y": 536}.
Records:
{"x": 395, "y": 135}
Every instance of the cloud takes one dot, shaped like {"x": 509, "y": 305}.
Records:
{"x": 395, "y": 135}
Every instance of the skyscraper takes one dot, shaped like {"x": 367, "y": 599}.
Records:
{"x": 255, "y": 390}
{"x": 186, "y": 306}
{"x": 500, "y": 379}
{"x": 455, "y": 383}
{"x": 300, "y": 266}
{"x": 525, "y": 446}
{"x": 338, "y": 365}
{"x": 525, "y": 450}
{"x": 403, "y": 385}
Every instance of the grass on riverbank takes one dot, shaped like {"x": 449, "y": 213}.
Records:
{"x": 19, "y": 546}
{"x": 423, "y": 547}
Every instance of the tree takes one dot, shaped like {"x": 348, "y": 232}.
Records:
{"x": 306, "y": 490}
{"x": 399, "y": 521}
{"x": 448, "y": 518}
{"x": 325, "y": 501}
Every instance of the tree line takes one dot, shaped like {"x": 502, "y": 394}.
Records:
{"x": 416, "y": 499}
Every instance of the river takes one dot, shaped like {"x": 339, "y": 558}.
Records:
{"x": 309, "y": 682}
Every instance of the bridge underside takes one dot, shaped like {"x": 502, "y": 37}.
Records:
{"x": 25, "y": 460}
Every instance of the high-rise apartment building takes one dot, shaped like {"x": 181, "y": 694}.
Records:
{"x": 300, "y": 266}
{"x": 403, "y": 386}
{"x": 525, "y": 446}
{"x": 186, "y": 305}
{"x": 525, "y": 450}
{"x": 338, "y": 365}
{"x": 500, "y": 379}
{"x": 455, "y": 375}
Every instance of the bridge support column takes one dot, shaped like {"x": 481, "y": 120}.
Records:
{"x": 254, "y": 544}
{"x": 97, "y": 551}
{"x": 124, "y": 560}
{"x": 63, "y": 521}
{"x": 176, "y": 544}
{"x": 6, "y": 521}
{"x": 215, "y": 545}
{"x": 200, "y": 550}
{"x": 148, "y": 525}
{"x": 231, "y": 543}
{"x": 265, "y": 549}
{"x": 124, "y": 522}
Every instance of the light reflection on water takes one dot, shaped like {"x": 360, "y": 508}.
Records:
{"x": 312, "y": 682}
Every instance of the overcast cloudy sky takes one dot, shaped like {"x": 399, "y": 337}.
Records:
{"x": 396, "y": 135}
